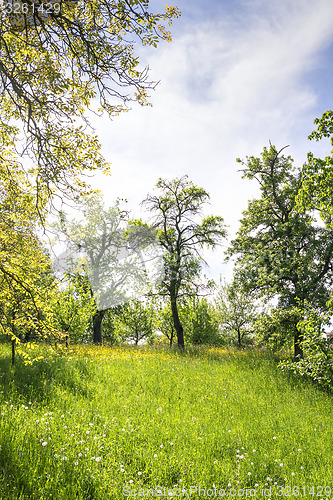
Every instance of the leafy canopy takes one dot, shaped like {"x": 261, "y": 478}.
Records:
{"x": 56, "y": 64}
{"x": 175, "y": 212}
{"x": 279, "y": 251}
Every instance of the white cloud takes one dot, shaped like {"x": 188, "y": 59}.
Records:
{"x": 228, "y": 86}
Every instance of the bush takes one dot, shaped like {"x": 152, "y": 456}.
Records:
{"x": 200, "y": 322}
{"x": 317, "y": 363}
{"x": 276, "y": 329}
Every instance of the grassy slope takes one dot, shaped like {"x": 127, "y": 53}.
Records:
{"x": 88, "y": 423}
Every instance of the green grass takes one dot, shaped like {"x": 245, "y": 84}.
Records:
{"x": 90, "y": 422}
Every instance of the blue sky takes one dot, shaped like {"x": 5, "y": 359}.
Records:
{"x": 237, "y": 75}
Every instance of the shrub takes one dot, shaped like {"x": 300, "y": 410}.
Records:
{"x": 318, "y": 353}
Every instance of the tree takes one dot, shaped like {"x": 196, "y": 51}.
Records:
{"x": 57, "y": 59}
{"x": 275, "y": 327}
{"x": 237, "y": 311}
{"x": 135, "y": 322}
{"x": 175, "y": 211}
{"x": 111, "y": 332}
{"x": 25, "y": 291}
{"x": 166, "y": 324}
{"x": 200, "y": 320}
{"x": 98, "y": 247}
{"x": 73, "y": 306}
{"x": 26, "y": 279}
{"x": 280, "y": 252}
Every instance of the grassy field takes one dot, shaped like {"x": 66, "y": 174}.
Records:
{"x": 113, "y": 423}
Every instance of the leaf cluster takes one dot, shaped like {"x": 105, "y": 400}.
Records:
{"x": 279, "y": 250}
{"x": 54, "y": 66}
{"x": 317, "y": 363}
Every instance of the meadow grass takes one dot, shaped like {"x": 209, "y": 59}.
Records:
{"x": 101, "y": 423}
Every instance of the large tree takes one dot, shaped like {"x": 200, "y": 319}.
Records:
{"x": 57, "y": 60}
{"x": 26, "y": 279}
{"x": 280, "y": 252}
{"x": 98, "y": 246}
{"x": 181, "y": 236}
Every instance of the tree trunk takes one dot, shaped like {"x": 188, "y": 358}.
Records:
{"x": 13, "y": 339}
{"x": 177, "y": 323}
{"x": 13, "y": 351}
{"x": 171, "y": 337}
{"x": 239, "y": 338}
{"x": 298, "y": 351}
{"x": 97, "y": 326}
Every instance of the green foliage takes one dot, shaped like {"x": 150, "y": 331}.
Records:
{"x": 200, "y": 323}
{"x": 317, "y": 363}
{"x": 135, "y": 322}
{"x": 111, "y": 333}
{"x": 280, "y": 252}
{"x": 73, "y": 308}
{"x": 165, "y": 323}
{"x": 175, "y": 212}
{"x": 53, "y": 66}
{"x": 317, "y": 180}
{"x": 276, "y": 328}
{"x": 237, "y": 313}
{"x": 27, "y": 283}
